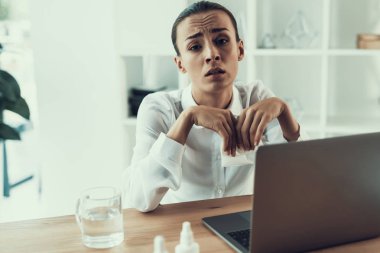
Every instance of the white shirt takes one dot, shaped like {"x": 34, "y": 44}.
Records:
{"x": 165, "y": 171}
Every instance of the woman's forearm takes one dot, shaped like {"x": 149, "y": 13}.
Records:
{"x": 289, "y": 125}
{"x": 181, "y": 128}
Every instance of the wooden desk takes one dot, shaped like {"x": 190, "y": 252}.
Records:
{"x": 61, "y": 234}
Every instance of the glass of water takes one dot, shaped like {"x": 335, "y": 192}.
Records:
{"x": 100, "y": 218}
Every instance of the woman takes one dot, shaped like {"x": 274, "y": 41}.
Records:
{"x": 180, "y": 134}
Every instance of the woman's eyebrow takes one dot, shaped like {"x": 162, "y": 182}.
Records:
{"x": 196, "y": 35}
{"x": 217, "y": 30}
{"x": 200, "y": 34}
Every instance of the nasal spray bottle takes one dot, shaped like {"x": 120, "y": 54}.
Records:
{"x": 159, "y": 246}
{"x": 186, "y": 243}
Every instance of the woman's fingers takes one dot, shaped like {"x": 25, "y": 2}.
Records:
{"x": 227, "y": 130}
{"x": 244, "y": 131}
{"x": 228, "y": 148}
{"x": 260, "y": 129}
{"x": 239, "y": 124}
{"x": 222, "y": 131}
{"x": 232, "y": 123}
{"x": 252, "y": 130}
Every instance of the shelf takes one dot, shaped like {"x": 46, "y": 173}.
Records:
{"x": 152, "y": 71}
{"x": 286, "y": 52}
{"x": 353, "y": 126}
{"x": 354, "y": 52}
{"x": 151, "y": 52}
{"x": 350, "y": 130}
{"x": 340, "y": 126}
{"x": 331, "y": 84}
{"x": 310, "y": 123}
{"x": 315, "y": 52}
{"x": 349, "y": 18}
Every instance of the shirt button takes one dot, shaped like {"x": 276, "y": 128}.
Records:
{"x": 219, "y": 191}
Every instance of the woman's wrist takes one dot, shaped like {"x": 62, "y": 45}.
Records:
{"x": 181, "y": 128}
{"x": 293, "y": 136}
{"x": 289, "y": 125}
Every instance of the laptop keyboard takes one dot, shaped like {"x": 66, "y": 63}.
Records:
{"x": 242, "y": 237}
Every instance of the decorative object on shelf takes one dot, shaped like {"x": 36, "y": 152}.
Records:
{"x": 268, "y": 41}
{"x": 368, "y": 41}
{"x": 137, "y": 95}
{"x": 298, "y": 33}
{"x": 11, "y": 100}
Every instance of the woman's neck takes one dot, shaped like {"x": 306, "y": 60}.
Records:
{"x": 218, "y": 99}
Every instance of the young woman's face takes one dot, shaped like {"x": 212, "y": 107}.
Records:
{"x": 209, "y": 52}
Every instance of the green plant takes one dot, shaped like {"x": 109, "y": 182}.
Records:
{"x": 10, "y": 99}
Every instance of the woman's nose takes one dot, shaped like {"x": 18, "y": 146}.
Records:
{"x": 212, "y": 54}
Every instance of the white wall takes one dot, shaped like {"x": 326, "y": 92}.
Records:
{"x": 144, "y": 27}
{"x": 80, "y": 97}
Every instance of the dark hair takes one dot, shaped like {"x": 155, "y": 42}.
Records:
{"x": 196, "y": 8}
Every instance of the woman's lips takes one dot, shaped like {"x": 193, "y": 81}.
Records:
{"x": 215, "y": 72}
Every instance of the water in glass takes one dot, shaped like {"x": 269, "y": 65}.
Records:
{"x": 102, "y": 227}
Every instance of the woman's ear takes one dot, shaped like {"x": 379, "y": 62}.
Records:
{"x": 178, "y": 62}
{"x": 240, "y": 50}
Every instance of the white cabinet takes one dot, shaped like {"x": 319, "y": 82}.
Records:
{"x": 336, "y": 85}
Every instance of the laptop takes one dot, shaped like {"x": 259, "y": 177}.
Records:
{"x": 309, "y": 195}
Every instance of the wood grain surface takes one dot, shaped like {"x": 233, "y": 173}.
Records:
{"x": 62, "y": 234}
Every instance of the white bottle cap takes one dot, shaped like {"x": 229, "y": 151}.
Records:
{"x": 159, "y": 244}
{"x": 187, "y": 244}
{"x": 186, "y": 234}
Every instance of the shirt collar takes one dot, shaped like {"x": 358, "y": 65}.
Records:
{"x": 235, "y": 106}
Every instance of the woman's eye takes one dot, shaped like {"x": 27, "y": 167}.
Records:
{"x": 221, "y": 41}
{"x": 194, "y": 47}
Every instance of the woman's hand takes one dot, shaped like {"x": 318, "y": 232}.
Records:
{"x": 219, "y": 120}
{"x": 245, "y": 132}
{"x": 254, "y": 119}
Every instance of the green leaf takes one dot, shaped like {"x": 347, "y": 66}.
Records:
{"x": 9, "y": 88}
{"x": 20, "y": 107}
{"x": 8, "y": 133}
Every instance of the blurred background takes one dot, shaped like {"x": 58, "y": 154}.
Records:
{"x": 84, "y": 66}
